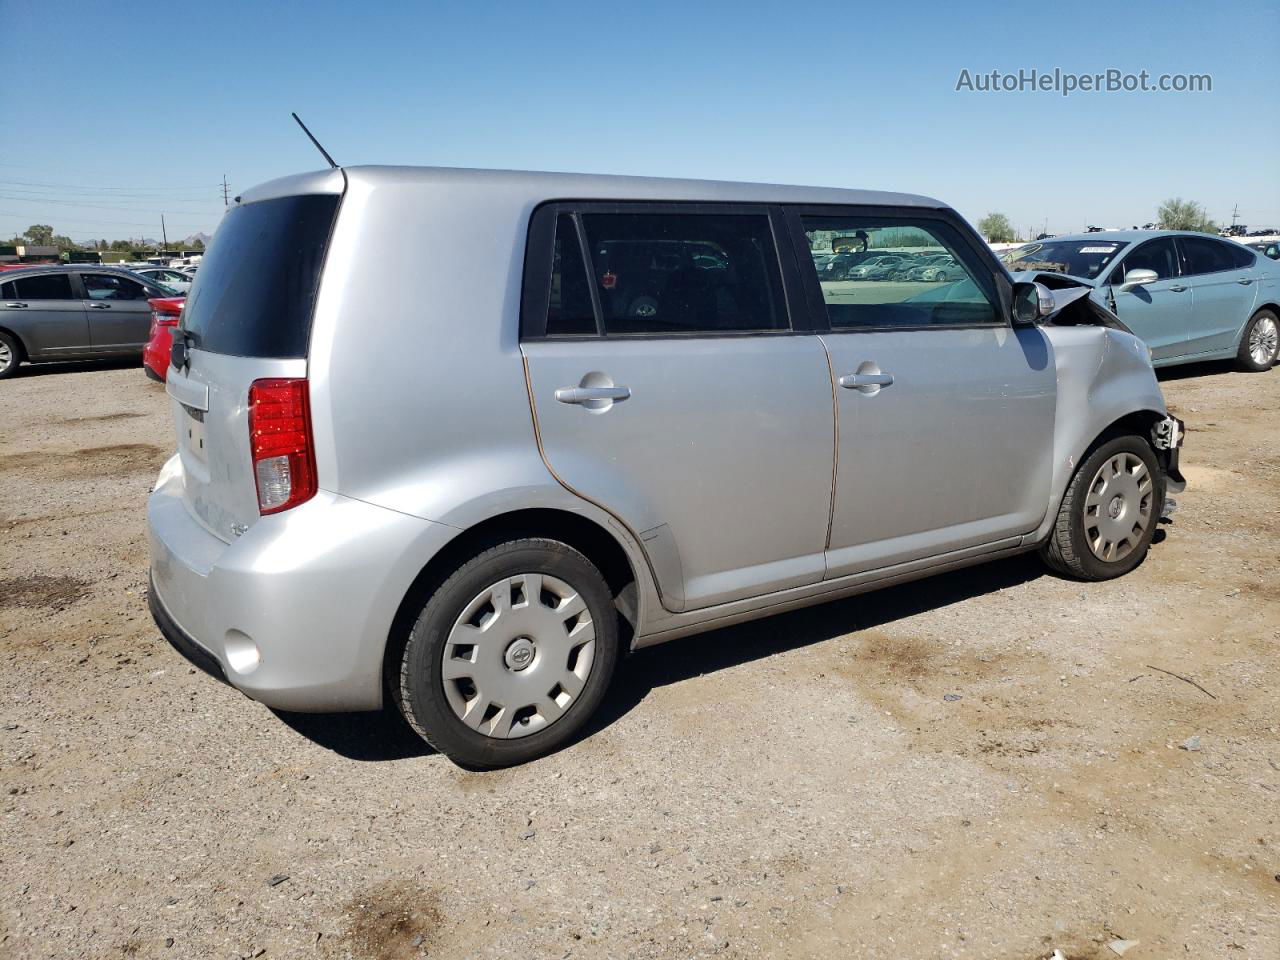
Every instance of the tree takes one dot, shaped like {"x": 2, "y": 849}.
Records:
{"x": 995, "y": 227}
{"x": 1179, "y": 214}
{"x": 39, "y": 235}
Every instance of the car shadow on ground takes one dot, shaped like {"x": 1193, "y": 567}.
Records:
{"x": 1205, "y": 368}
{"x": 79, "y": 366}
{"x": 386, "y": 736}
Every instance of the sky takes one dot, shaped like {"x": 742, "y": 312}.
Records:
{"x": 120, "y": 113}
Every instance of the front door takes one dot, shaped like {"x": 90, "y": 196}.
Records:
{"x": 670, "y": 389}
{"x": 1160, "y": 312}
{"x": 945, "y": 411}
{"x": 119, "y": 315}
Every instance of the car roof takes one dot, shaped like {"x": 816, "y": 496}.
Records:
{"x": 527, "y": 186}
{"x": 63, "y": 268}
{"x": 1125, "y": 236}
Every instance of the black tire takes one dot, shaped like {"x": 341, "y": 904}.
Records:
{"x": 13, "y": 348}
{"x": 418, "y": 684}
{"x": 1068, "y": 548}
{"x": 1245, "y": 357}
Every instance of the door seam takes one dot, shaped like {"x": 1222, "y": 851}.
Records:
{"x": 835, "y": 450}
{"x": 546, "y": 462}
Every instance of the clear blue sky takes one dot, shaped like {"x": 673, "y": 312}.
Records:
{"x": 123, "y": 110}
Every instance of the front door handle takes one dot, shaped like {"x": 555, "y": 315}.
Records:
{"x": 1244, "y": 281}
{"x": 16, "y": 306}
{"x": 99, "y": 306}
{"x": 592, "y": 394}
{"x": 854, "y": 380}
{"x": 1177, "y": 289}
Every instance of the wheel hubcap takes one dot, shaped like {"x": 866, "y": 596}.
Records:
{"x": 1263, "y": 341}
{"x": 6, "y": 357}
{"x": 518, "y": 656}
{"x": 1118, "y": 508}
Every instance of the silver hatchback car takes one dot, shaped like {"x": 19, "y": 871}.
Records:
{"x": 459, "y": 440}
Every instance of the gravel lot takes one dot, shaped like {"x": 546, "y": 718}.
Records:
{"x": 798, "y": 787}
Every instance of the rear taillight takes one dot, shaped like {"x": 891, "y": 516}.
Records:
{"x": 164, "y": 313}
{"x": 284, "y": 463}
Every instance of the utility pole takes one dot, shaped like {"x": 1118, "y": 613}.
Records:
{"x": 226, "y": 195}
{"x": 163, "y": 232}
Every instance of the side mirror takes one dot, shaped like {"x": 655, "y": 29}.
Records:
{"x": 1032, "y": 302}
{"x": 1138, "y": 278}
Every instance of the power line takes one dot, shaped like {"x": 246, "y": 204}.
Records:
{"x": 86, "y": 188}
{"x": 19, "y": 193}
{"x": 77, "y": 203}
{"x": 79, "y": 220}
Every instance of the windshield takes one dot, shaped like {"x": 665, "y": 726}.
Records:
{"x": 1079, "y": 258}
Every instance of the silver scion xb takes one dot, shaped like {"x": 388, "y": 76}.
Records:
{"x": 459, "y": 440}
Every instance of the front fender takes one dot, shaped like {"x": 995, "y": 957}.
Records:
{"x": 1104, "y": 375}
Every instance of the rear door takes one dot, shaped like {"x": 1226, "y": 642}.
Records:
{"x": 1160, "y": 312}
{"x": 46, "y": 313}
{"x": 119, "y": 315}
{"x": 945, "y": 413}
{"x": 248, "y": 317}
{"x": 1223, "y": 289}
{"x": 670, "y": 388}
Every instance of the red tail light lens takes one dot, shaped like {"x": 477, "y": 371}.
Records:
{"x": 284, "y": 463}
{"x": 164, "y": 312}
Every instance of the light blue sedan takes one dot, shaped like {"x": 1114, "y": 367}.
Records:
{"x": 1190, "y": 296}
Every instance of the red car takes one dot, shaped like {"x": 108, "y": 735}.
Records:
{"x": 165, "y": 312}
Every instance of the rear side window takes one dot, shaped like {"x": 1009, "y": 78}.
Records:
{"x": 681, "y": 274}
{"x": 52, "y": 286}
{"x": 1205, "y": 255}
{"x": 1242, "y": 255}
{"x": 257, "y": 283}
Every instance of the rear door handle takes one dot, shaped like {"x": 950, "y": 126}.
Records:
{"x": 852, "y": 381}
{"x": 590, "y": 394}
{"x": 16, "y": 306}
{"x": 1244, "y": 281}
{"x": 1177, "y": 289}
{"x": 99, "y": 306}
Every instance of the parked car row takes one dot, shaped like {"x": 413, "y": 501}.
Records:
{"x": 74, "y": 312}
{"x": 929, "y": 267}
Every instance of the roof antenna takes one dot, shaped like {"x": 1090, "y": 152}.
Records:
{"x": 323, "y": 152}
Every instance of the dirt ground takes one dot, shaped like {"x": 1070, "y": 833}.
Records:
{"x": 798, "y": 787}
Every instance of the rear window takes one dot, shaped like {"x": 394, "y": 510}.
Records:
{"x": 257, "y": 283}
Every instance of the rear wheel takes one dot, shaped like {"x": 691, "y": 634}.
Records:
{"x": 1260, "y": 343}
{"x": 10, "y": 355}
{"x": 1109, "y": 512}
{"x": 511, "y": 655}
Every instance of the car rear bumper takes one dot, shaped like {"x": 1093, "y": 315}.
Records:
{"x": 296, "y": 612}
{"x": 155, "y": 355}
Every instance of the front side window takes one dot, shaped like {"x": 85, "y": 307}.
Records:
{"x": 1206, "y": 256}
{"x": 101, "y": 286}
{"x": 898, "y": 273}
{"x": 1158, "y": 255}
{"x": 682, "y": 274}
{"x": 51, "y": 286}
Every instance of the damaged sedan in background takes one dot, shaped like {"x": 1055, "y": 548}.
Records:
{"x": 1189, "y": 296}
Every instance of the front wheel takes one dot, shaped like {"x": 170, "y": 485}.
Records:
{"x": 510, "y": 656}
{"x": 1109, "y": 512}
{"x": 1260, "y": 343}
